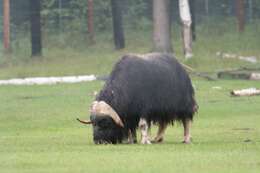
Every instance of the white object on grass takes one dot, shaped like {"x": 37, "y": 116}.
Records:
{"x": 48, "y": 80}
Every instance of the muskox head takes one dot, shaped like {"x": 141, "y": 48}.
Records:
{"x": 107, "y": 125}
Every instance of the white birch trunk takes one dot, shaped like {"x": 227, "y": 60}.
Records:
{"x": 186, "y": 27}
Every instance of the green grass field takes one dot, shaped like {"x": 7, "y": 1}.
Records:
{"x": 39, "y": 131}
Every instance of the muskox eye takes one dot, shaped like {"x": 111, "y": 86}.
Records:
{"x": 103, "y": 122}
{"x": 105, "y": 126}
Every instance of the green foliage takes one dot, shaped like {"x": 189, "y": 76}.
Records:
{"x": 57, "y": 18}
{"x": 256, "y": 9}
{"x": 102, "y": 15}
{"x": 137, "y": 14}
{"x": 72, "y": 16}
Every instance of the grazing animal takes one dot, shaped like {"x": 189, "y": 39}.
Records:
{"x": 141, "y": 90}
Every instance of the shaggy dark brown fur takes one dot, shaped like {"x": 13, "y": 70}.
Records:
{"x": 152, "y": 86}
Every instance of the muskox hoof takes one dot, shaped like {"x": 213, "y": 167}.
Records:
{"x": 131, "y": 141}
{"x": 187, "y": 141}
{"x": 157, "y": 140}
{"x": 146, "y": 142}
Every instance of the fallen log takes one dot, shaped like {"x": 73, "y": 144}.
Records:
{"x": 255, "y": 76}
{"x": 203, "y": 75}
{"x": 198, "y": 74}
{"x": 246, "y": 92}
{"x": 251, "y": 59}
{"x": 239, "y": 74}
{"x": 234, "y": 75}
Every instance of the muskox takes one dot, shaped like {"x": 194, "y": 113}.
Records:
{"x": 143, "y": 90}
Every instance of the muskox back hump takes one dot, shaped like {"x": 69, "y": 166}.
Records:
{"x": 152, "y": 85}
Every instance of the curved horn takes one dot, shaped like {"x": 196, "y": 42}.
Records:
{"x": 84, "y": 121}
{"x": 103, "y": 108}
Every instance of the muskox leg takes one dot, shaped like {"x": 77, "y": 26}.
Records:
{"x": 132, "y": 136}
{"x": 160, "y": 133}
{"x": 187, "y": 127}
{"x": 143, "y": 125}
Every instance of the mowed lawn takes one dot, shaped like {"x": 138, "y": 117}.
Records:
{"x": 39, "y": 133}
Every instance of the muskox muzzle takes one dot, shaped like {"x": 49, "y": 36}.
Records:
{"x": 106, "y": 123}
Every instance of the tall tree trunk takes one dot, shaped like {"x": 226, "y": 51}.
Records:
{"x": 35, "y": 18}
{"x": 59, "y": 19}
{"x": 240, "y": 12}
{"x": 186, "y": 27}
{"x": 90, "y": 21}
{"x": 250, "y": 10}
{"x": 207, "y": 7}
{"x": 161, "y": 26}
{"x": 6, "y": 25}
{"x": 119, "y": 38}
{"x": 193, "y": 18}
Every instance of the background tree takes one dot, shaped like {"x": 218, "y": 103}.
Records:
{"x": 193, "y": 18}
{"x": 90, "y": 21}
{"x": 6, "y": 25}
{"x": 240, "y": 13}
{"x": 119, "y": 38}
{"x": 35, "y": 20}
{"x": 186, "y": 27}
{"x": 161, "y": 26}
